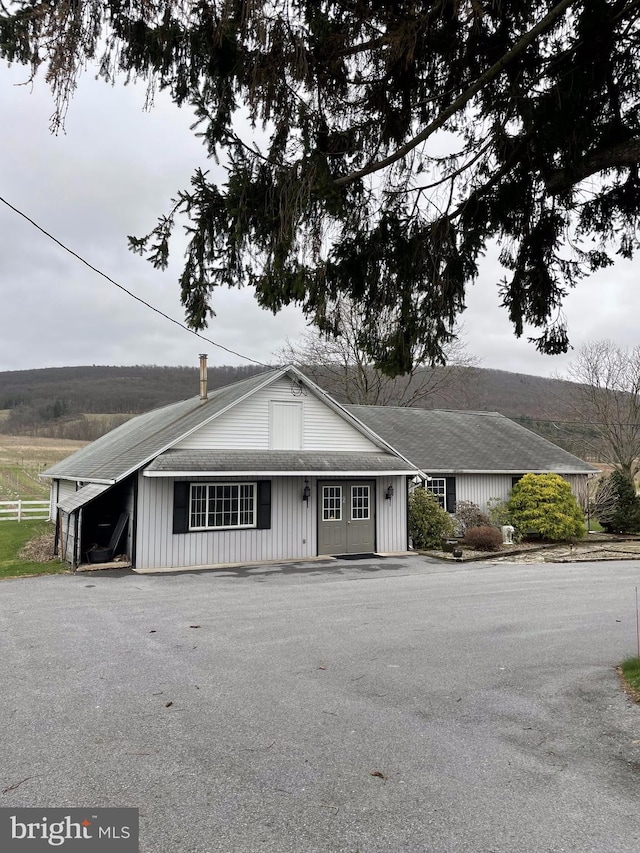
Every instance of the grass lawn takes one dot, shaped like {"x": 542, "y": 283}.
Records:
{"x": 630, "y": 671}
{"x": 14, "y": 535}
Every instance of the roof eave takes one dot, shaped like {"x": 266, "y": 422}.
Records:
{"x": 511, "y": 471}
{"x": 78, "y": 478}
{"x": 305, "y": 473}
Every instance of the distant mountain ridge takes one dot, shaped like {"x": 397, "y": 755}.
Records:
{"x": 138, "y": 388}
{"x": 61, "y": 401}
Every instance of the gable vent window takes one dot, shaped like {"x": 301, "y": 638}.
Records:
{"x": 285, "y": 425}
{"x": 215, "y": 506}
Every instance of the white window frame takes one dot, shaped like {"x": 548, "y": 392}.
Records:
{"x": 337, "y": 499}
{"x": 441, "y": 494}
{"x": 210, "y": 496}
{"x": 365, "y": 497}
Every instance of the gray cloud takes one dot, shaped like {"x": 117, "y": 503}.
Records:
{"x": 112, "y": 173}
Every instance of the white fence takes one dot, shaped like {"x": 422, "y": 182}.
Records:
{"x": 23, "y": 510}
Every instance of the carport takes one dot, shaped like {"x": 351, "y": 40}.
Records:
{"x": 93, "y": 523}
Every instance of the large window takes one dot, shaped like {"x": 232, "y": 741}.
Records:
{"x": 213, "y": 506}
{"x": 438, "y": 487}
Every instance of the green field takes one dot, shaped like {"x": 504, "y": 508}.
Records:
{"x": 14, "y": 536}
{"x": 22, "y": 458}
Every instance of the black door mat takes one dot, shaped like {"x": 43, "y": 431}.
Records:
{"x": 358, "y": 557}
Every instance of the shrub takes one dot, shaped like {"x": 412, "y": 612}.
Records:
{"x": 498, "y": 512}
{"x": 543, "y": 504}
{"x": 468, "y": 515}
{"x": 428, "y": 522}
{"x": 483, "y": 538}
{"x": 625, "y": 516}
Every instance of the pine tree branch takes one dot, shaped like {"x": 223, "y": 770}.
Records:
{"x": 463, "y": 99}
{"x": 622, "y": 155}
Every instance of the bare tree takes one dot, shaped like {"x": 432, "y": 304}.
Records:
{"x": 340, "y": 365}
{"x": 608, "y": 399}
{"x": 596, "y": 498}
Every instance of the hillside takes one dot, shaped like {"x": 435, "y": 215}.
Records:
{"x": 81, "y": 403}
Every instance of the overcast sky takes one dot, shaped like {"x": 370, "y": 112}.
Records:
{"x": 111, "y": 174}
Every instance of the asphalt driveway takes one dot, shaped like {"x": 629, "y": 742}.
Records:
{"x": 379, "y": 706}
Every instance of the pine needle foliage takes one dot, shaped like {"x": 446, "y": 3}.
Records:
{"x": 374, "y": 149}
{"x": 625, "y": 516}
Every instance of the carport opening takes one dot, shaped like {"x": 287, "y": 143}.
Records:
{"x": 105, "y": 525}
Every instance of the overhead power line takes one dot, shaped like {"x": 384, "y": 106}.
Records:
{"x": 125, "y": 290}
{"x": 583, "y": 423}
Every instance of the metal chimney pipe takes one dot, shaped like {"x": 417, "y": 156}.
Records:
{"x": 203, "y": 377}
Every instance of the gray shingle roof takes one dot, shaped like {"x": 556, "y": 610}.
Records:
{"x": 432, "y": 440}
{"x": 453, "y": 442}
{"x": 82, "y": 497}
{"x": 128, "y": 447}
{"x": 276, "y": 461}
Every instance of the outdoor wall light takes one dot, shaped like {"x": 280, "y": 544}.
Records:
{"x": 389, "y": 493}
{"x": 306, "y": 492}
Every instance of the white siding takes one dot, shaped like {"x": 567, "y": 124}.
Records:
{"x": 293, "y": 533}
{"x": 479, "y": 488}
{"x": 246, "y": 426}
{"x": 578, "y": 483}
{"x": 53, "y": 499}
{"x": 66, "y": 531}
{"x": 67, "y": 488}
{"x": 391, "y": 515}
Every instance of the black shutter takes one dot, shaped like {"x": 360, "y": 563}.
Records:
{"x": 264, "y": 505}
{"x": 450, "y": 504}
{"x": 515, "y": 480}
{"x": 181, "y": 507}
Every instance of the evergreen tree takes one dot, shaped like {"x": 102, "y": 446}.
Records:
{"x": 535, "y": 105}
{"x": 544, "y": 504}
{"x": 625, "y": 517}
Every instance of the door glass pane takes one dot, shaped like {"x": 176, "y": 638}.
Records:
{"x": 360, "y": 503}
{"x": 332, "y": 503}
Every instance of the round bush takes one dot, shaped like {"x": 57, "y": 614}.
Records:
{"x": 429, "y": 524}
{"x": 544, "y": 505}
{"x": 483, "y": 538}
